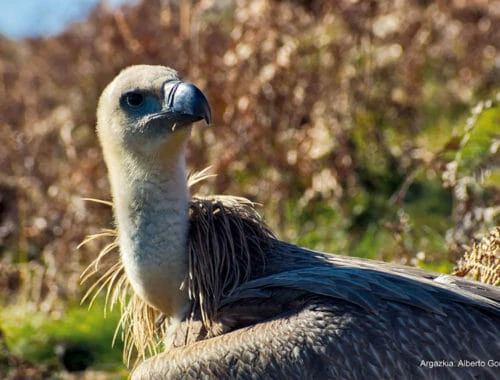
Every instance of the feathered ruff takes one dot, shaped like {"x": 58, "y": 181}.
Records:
{"x": 226, "y": 236}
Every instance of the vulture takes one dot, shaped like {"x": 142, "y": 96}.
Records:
{"x": 208, "y": 291}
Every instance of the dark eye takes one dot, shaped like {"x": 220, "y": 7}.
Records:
{"x": 134, "y": 99}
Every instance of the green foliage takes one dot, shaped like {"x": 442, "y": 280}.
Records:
{"x": 318, "y": 226}
{"x": 481, "y": 138}
{"x": 437, "y": 266}
{"x": 34, "y": 335}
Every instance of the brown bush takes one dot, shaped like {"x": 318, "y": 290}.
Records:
{"x": 313, "y": 101}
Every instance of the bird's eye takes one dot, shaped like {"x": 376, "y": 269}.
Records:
{"x": 134, "y": 99}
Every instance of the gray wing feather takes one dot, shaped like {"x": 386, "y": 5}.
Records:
{"x": 366, "y": 288}
{"x": 309, "y": 315}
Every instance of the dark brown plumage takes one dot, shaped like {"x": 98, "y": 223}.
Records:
{"x": 251, "y": 306}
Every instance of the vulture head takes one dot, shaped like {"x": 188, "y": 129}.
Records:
{"x": 147, "y": 110}
{"x": 144, "y": 119}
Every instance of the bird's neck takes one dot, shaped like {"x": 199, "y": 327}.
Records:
{"x": 151, "y": 212}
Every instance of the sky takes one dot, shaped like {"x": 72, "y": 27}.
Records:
{"x": 32, "y": 18}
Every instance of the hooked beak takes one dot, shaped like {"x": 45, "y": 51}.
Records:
{"x": 185, "y": 103}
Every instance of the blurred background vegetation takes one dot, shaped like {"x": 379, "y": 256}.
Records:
{"x": 365, "y": 128}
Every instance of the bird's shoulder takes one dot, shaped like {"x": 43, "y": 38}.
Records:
{"x": 366, "y": 283}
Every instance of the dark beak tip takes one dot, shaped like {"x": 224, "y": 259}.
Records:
{"x": 208, "y": 116}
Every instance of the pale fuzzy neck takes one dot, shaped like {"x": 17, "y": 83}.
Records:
{"x": 151, "y": 210}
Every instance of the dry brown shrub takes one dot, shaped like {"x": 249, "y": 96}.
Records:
{"x": 481, "y": 262}
{"x": 305, "y": 95}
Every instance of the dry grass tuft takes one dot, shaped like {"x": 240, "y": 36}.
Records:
{"x": 481, "y": 262}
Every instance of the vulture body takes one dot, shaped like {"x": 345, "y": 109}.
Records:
{"x": 242, "y": 304}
